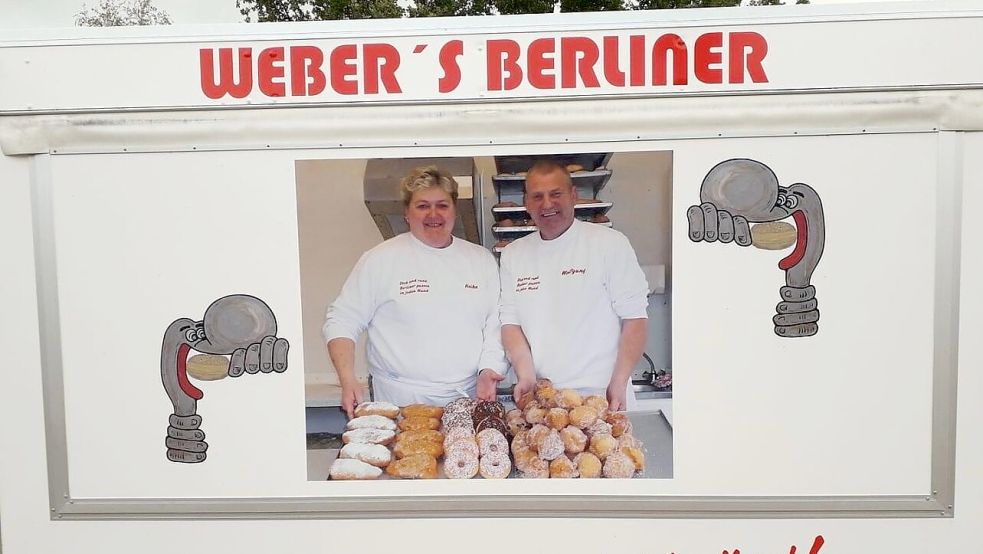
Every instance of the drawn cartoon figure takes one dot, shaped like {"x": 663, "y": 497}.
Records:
{"x": 238, "y": 325}
{"x": 738, "y": 192}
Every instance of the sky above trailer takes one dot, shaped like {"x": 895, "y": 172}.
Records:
{"x": 61, "y": 13}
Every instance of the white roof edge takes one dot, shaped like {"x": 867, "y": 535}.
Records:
{"x": 594, "y": 21}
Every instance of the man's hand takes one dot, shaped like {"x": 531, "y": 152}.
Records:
{"x": 523, "y": 387}
{"x": 351, "y": 396}
{"x": 616, "y": 394}
{"x": 488, "y": 381}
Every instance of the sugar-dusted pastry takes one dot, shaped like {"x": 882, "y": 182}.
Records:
{"x": 371, "y": 422}
{"x": 373, "y": 454}
{"x": 377, "y": 408}
{"x": 346, "y": 469}
{"x": 368, "y": 435}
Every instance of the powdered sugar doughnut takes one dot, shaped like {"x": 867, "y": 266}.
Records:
{"x": 456, "y": 433}
{"x": 583, "y": 416}
{"x": 495, "y": 466}
{"x": 599, "y": 427}
{"x": 628, "y": 440}
{"x": 557, "y": 418}
{"x": 618, "y": 466}
{"x": 588, "y": 465}
{"x": 574, "y": 440}
{"x": 537, "y": 468}
{"x": 563, "y": 468}
{"x": 492, "y": 441}
{"x": 520, "y": 441}
{"x": 536, "y": 434}
{"x": 599, "y": 403}
{"x": 603, "y": 445}
{"x": 459, "y": 464}
{"x": 550, "y": 447}
{"x": 466, "y": 445}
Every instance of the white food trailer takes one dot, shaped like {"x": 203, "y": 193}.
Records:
{"x": 798, "y": 183}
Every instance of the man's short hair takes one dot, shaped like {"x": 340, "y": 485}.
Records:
{"x": 547, "y": 167}
{"x": 424, "y": 178}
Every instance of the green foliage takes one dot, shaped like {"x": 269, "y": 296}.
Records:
{"x": 677, "y": 4}
{"x": 116, "y": 13}
{"x": 317, "y": 10}
{"x": 446, "y": 8}
{"x": 310, "y": 10}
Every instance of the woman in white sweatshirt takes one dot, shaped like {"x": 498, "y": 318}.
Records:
{"x": 429, "y": 303}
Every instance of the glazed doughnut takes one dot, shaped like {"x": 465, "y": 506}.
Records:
{"x": 368, "y": 436}
{"x": 492, "y": 441}
{"x": 461, "y": 405}
{"x": 636, "y": 456}
{"x": 373, "y": 454}
{"x": 574, "y": 440}
{"x": 415, "y": 423}
{"x": 525, "y": 458}
{"x": 537, "y": 468}
{"x": 546, "y": 396}
{"x": 599, "y": 403}
{"x": 422, "y": 410}
{"x": 620, "y": 424}
{"x": 495, "y": 465}
{"x": 519, "y": 441}
{"x": 524, "y": 400}
{"x": 563, "y": 468}
{"x": 207, "y": 367}
{"x": 550, "y": 447}
{"x": 534, "y": 413}
{"x": 384, "y": 409}
{"x": 371, "y": 422}
{"x": 417, "y": 466}
{"x": 588, "y": 465}
{"x": 618, "y": 466}
{"x": 583, "y": 416}
{"x": 420, "y": 435}
{"x": 517, "y": 426}
{"x": 535, "y": 435}
{"x": 407, "y": 449}
{"x": 557, "y": 418}
{"x": 459, "y": 464}
{"x": 344, "y": 469}
{"x": 603, "y": 445}
{"x": 630, "y": 441}
{"x": 568, "y": 399}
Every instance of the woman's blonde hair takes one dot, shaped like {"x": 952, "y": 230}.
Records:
{"x": 427, "y": 177}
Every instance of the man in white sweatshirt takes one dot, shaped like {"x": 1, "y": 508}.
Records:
{"x": 574, "y": 299}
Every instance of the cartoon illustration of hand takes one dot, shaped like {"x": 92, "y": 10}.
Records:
{"x": 739, "y": 192}
{"x": 238, "y": 325}
{"x": 708, "y": 223}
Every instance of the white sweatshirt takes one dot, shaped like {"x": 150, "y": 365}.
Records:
{"x": 431, "y": 316}
{"x": 569, "y": 295}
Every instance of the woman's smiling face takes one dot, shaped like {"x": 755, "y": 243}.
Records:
{"x": 431, "y": 214}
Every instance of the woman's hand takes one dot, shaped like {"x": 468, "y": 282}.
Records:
{"x": 616, "y": 393}
{"x": 523, "y": 386}
{"x": 351, "y": 396}
{"x": 488, "y": 380}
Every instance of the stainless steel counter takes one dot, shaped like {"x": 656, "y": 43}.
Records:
{"x": 650, "y": 427}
